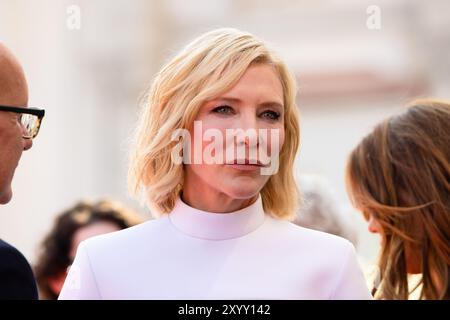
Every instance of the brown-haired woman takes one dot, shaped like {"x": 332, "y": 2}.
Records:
{"x": 82, "y": 221}
{"x": 399, "y": 178}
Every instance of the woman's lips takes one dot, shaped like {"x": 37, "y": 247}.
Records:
{"x": 245, "y": 165}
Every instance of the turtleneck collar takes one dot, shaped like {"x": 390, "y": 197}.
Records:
{"x": 217, "y": 226}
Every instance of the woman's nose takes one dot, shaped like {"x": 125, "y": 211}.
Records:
{"x": 374, "y": 225}
{"x": 248, "y": 121}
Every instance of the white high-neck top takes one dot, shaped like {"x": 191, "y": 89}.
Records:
{"x": 193, "y": 254}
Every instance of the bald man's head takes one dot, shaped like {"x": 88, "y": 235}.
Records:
{"x": 13, "y": 93}
{"x": 13, "y": 84}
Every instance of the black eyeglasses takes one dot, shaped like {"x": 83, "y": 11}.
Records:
{"x": 30, "y": 118}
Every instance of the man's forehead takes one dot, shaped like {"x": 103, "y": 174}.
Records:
{"x": 13, "y": 85}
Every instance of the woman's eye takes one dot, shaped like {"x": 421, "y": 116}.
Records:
{"x": 223, "y": 110}
{"x": 271, "y": 115}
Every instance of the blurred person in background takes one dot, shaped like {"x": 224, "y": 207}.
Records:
{"x": 82, "y": 221}
{"x": 18, "y": 126}
{"x": 399, "y": 178}
{"x": 321, "y": 210}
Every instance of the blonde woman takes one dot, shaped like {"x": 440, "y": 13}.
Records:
{"x": 399, "y": 178}
{"x": 223, "y": 229}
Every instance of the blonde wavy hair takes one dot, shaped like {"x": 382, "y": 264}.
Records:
{"x": 400, "y": 175}
{"x": 209, "y": 66}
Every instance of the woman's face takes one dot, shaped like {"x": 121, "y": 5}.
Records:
{"x": 255, "y": 102}
{"x": 373, "y": 225}
{"x": 412, "y": 253}
{"x": 89, "y": 231}
{"x": 94, "y": 229}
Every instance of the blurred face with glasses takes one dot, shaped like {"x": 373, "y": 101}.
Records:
{"x": 18, "y": 124}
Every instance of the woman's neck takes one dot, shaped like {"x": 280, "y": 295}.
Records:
{"x": 213, "y": 201}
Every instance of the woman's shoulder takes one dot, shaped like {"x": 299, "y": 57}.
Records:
{"x": 325, "y": 253}
{"x": 301, "y": 236}
{"x": 132, "y": 237}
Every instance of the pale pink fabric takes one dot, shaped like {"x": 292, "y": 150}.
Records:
{"x": 193, "y": 254}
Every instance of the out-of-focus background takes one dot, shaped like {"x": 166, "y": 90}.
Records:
{"x": 356, "y": 62}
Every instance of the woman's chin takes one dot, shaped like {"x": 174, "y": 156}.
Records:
{"x": 244, "y": 192}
